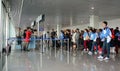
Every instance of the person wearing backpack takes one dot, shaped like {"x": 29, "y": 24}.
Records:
{"x": 106, "y": 38}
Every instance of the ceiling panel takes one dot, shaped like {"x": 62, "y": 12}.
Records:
{"x": 79, "y": 10}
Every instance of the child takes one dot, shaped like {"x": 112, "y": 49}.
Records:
{"x": 94, "y": 37}
{"x": 86, "y": 39}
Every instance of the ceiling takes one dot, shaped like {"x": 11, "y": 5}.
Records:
{"x": 62, "y": 11}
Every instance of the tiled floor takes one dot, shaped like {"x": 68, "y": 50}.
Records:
{"x": 60, "y": 61}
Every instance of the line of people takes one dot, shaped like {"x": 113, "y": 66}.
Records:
{"x": 94, "y": 41}
{"x": 25, "y": 36}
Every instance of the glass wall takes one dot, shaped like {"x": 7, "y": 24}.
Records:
{"x": 0, "y": 25}
{"x": 3, "y": 25}
{"x": 7, "y": 27}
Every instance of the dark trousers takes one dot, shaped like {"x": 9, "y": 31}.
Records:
{"x": 90, "y": 44}
{"x": 19, "y": 41}
{"x": 94, "y": 44}
{"x": 106, "y": 46}
{"x": 53, "y": 42}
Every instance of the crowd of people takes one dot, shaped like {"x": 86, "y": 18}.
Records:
{"x": 25, "y": 36}
{"x": 95, "y": 41}
{"x": 91, "y": 40}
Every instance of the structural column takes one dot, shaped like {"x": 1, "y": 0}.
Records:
{"x": 71, "y": 20}
{"x": 58, "y": 29}
{"x": 59, "y": 25}
{"x": 94, "y": 21}
{"x": 7, "y": 27}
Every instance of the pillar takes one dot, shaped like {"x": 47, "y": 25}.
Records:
{"x": 71, "y": 20}
{"x": 94, "y": 21}
{"x": 7, "y": 28}
{"x": 38, "y": 29}
{"x": 58, "y": 30}
{"x": 59, "y": 25}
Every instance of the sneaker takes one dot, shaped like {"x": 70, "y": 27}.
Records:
{"x": 106, "y": 58}
{"x": 87, "y": 49}
{"x": 90, "y": 53}
{"x": 100, "y": 52}
{"x": 95, "y": 53}
{"x": 100, "y": 57}
{"x": 84, "y": 50}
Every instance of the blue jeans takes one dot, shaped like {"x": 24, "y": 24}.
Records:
{"x": 93, "y": 45}
{"x": 107, "y": 47}
{"x": 53, "y": 42}
{"x": 62, "y": 42}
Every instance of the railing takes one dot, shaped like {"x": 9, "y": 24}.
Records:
{"x": 40, "y": 43}
{"x": 43, "y": 46}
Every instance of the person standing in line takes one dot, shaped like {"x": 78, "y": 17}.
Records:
{"x": 81, "y": 39}
{"x": 77, "y": 37}
{"x": 69, "y": 39}
{"x": 53, "y": 35}
{"x": 61, "y": 37}
{"x": 116, "y": 32}
{"x": 91, "y": 39}
{"x": 19, "y": 37}
{"x": 117, "y": 42}
{"x": 106, "y": 38}
{"x": 94, "y": 37}
{"x": 27, "y": 38}
{"x": 74, "y": 41}
{"x": 48, "y": 38}
{"x": 98, "y": 40}
{"x": 86, "y": 39}
{"x": 24, "y": 35}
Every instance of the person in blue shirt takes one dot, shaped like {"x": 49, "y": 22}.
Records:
{"x": 91, "y": 41}
{"x": 48, "y": 38}
{"x": 93, "y": 37}
{"x": 61, "y": 37}
{"x": 106, "y": 38}
{"x": 86, "y": 40}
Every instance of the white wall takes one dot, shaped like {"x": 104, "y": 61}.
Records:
{"x": 81, "y": 27}
{"x": 12, "y": 30}
{"x": 111, "y": 23}
{"x": 0, "y": 25}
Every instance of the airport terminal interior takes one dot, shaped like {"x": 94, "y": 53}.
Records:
{"x": 60, "y": 35}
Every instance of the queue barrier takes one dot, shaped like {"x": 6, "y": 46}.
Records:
{"x": 42, "y": 42}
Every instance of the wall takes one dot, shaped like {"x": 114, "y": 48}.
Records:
{"x": 12, "y": 29}
{"x": 6, "y": 26}
{"x": 2, "y": 26}
{"x": 81, "y": 27}
{"x": 111, "y": 23}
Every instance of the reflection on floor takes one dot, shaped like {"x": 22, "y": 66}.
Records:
{"x": 60, "y": 60}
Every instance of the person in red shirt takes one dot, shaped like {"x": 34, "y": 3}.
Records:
{"x": 27, "y": 37}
